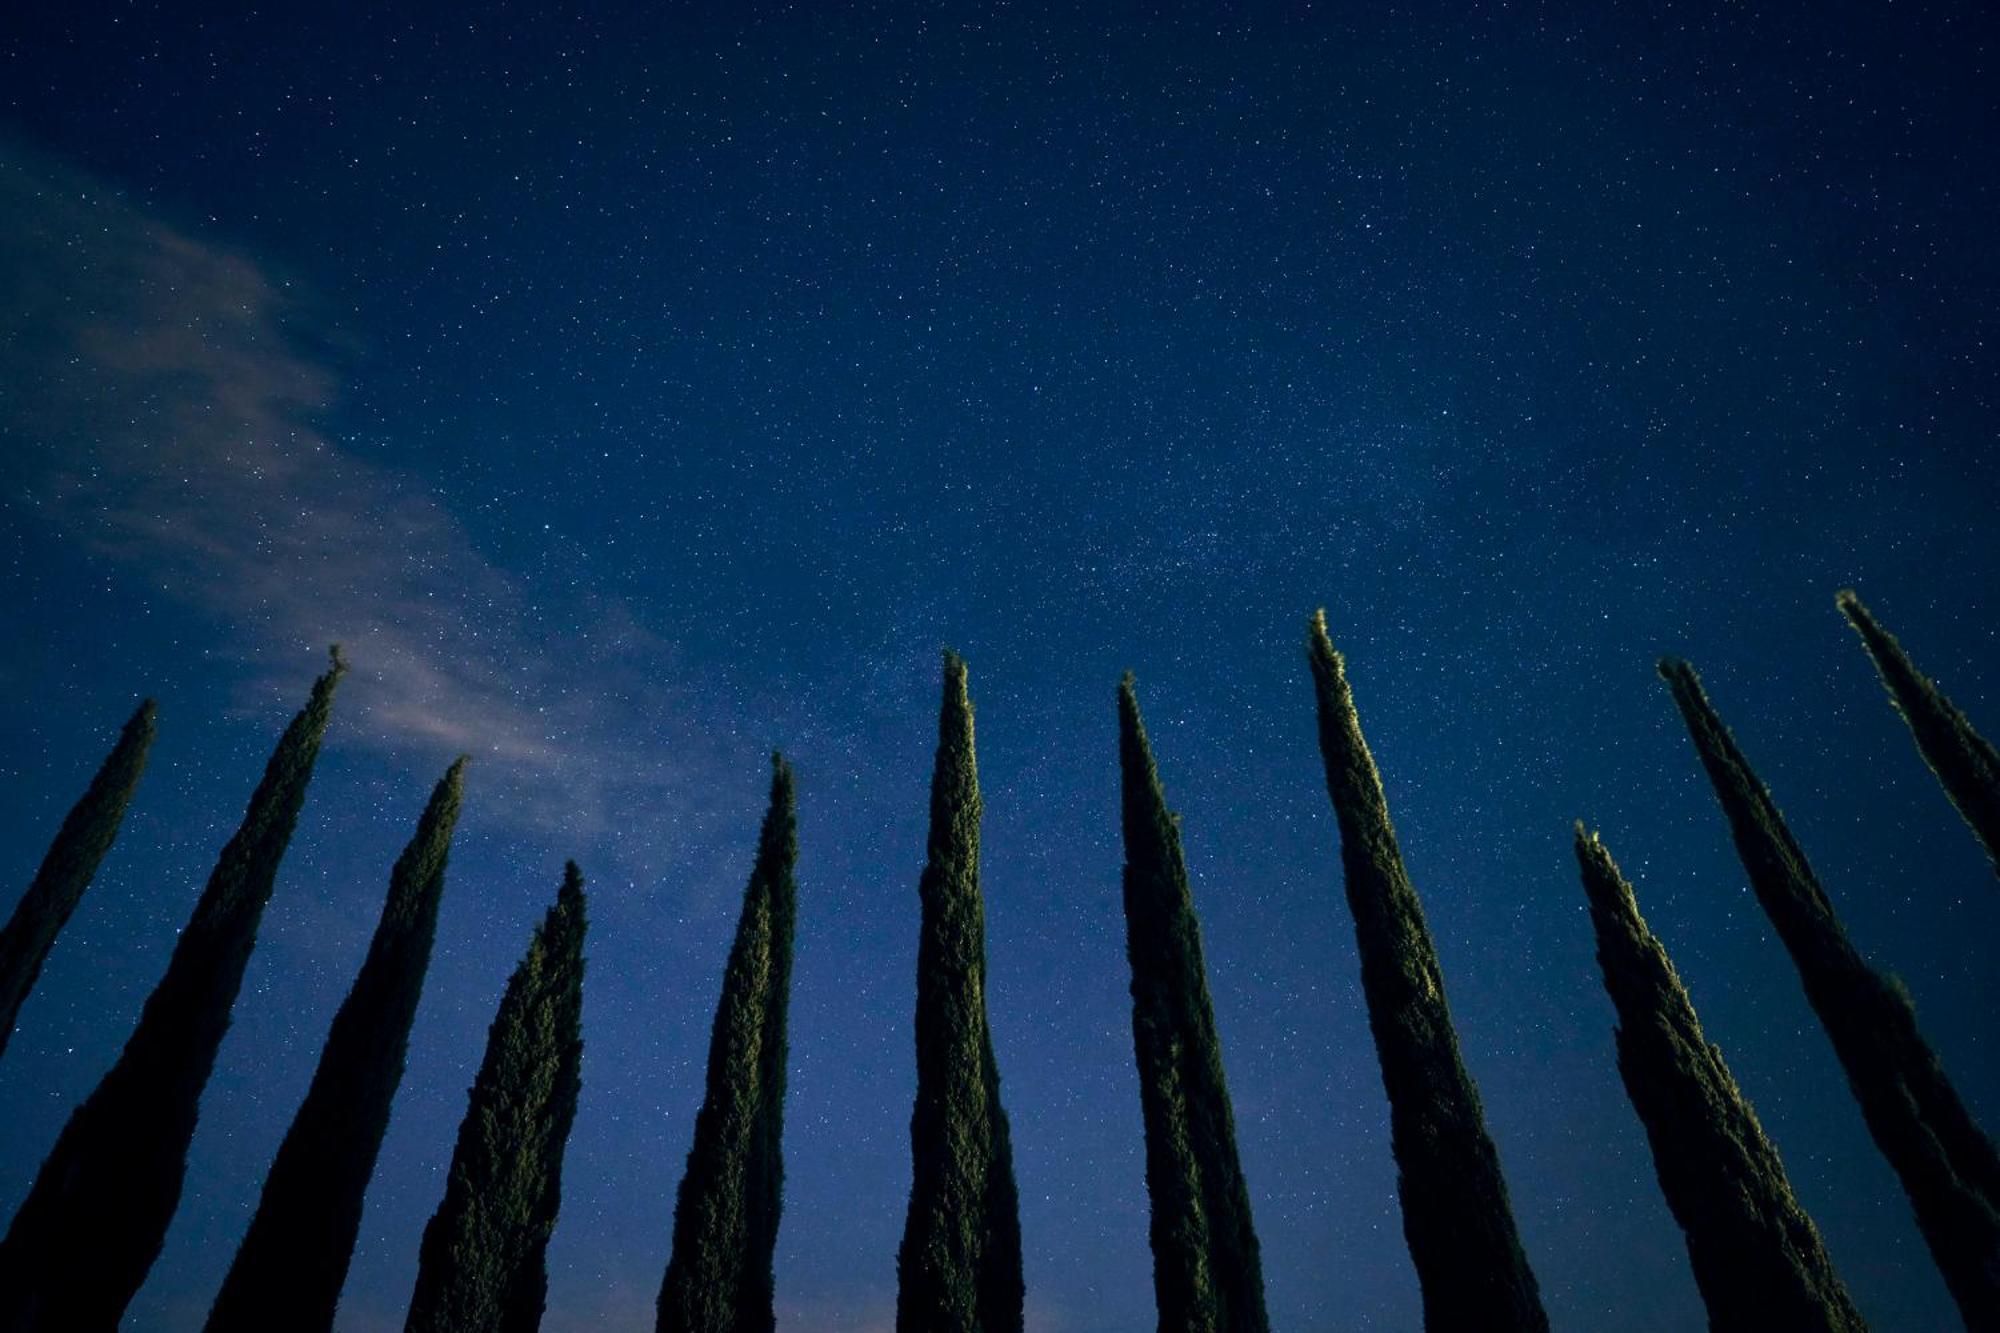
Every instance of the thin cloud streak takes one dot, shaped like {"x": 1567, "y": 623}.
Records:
{"x": 163, "y": 410}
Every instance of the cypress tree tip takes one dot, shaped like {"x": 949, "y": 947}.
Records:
{"x": 339, "y": 666}
{"x": 1603, "y": 883}
{"x": 1679, "y": 673}
{"x": 1130, "y": 722}
{"x": 572, "y": 885}
{"x": 1849, "y": 602}
{"x": 145, "y": 718}
{"x": 1319, "y": 647}
{"x": 1128, "y": 696}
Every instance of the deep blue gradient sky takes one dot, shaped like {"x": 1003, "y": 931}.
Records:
{"x": 634, "y": 388}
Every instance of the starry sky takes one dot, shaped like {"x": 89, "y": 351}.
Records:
{"x": 635, "y": 388}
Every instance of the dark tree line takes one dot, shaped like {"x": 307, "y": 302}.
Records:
{"x": 94, "y": 1221}
{"x": 1947, "y": 1164}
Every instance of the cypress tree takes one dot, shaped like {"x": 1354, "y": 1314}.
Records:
{"x": 80, "y": 844}
{"x": 1757, "y": 1256}
{"x": 482, "y": 1264}
{"x": 1966, "y": 764}
{"x": 1207, "y": 1276}
{"x": 94, "y": 1221}
{"x": 1456, "y": 1217}
{"x": 289, "y": 1269}
{"x": 1947, "y": 1164}
{"x": 959, "y": 1267}
{"x": 726, "y": 1219}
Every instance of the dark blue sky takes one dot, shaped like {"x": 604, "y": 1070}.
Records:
{"x": 635, "y": 388}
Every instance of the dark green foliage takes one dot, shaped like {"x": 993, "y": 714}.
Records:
{"x": 481, "y": 1267}
{"x": 959, "y": 1267}
{"x": 726, "y": 1220}
{"x": 1966, "y": 763}
{"x": 81, "y": 842}
{"x": 1456, "y": 1216}
{"x": 1757, "y": 1257}
{"x": 293, "y": 1260}
{"x": 92, "y": 1225}
{"x": 1207, "y": 1276}
{"x": 1947, "y": 1164}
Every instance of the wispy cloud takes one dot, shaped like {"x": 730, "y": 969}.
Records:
{"x": 161, "y": 403}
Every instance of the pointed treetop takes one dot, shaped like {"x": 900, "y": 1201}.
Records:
{"x": 1133, "y": 742}
{"x": 1610, "y": 896}
{"x": 1325, "y": 658}
{"x": 1134, "y": 745}
{"x": 957, "y": 694}
{"x": 783, "y": 799}
{"x": 453, "y": 781}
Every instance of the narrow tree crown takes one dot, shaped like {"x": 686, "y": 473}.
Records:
{"x": 1456, "y": 1215}
{"x": 1757, "y": 1256}
{"x": 1207, "y": 1270}
{"x": 1965, "y": 764}
{"x": 959, "y": 1267}
{"x": 719, "y": 1278}
{"x": 294, "y": 1258}
{"x": 71, "y": 862}
{"x": 482, "y": 1264}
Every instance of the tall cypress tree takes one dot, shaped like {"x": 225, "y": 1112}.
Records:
{"x": 1456, "y": 1217}
{"x": 289, "y": 1270}
{"x": 482, "y": 1265}
{"x": 81, "y": 842}
{"x": 726, "y": 1220}
{"x": 93, "y": 1223}
{"x": 959, "y": 1267}
{"x": 1757, "y": 1256}
{"x": 1207, "y": 1276}
{"x": 1947, "y": 1164}
{"x": 1966, "y": 764}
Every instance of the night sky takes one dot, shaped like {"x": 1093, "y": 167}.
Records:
{"x": 635, "y": 388}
